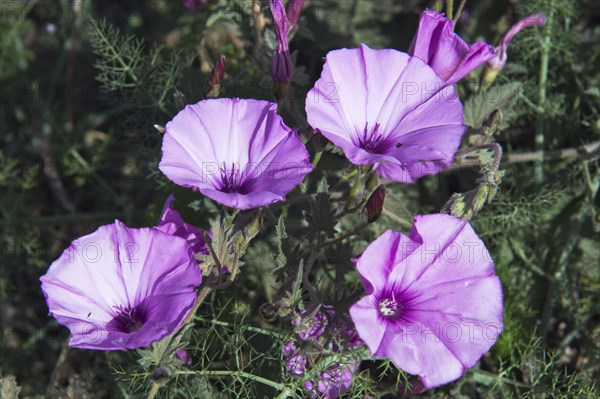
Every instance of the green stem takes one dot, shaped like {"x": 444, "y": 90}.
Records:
{"x": 488, "y": 375}
{"x": 153, "y": 390}
{"x": 543, "y": 80}
{"x": 459, "y": 12}
{"x": 353, "y": 192}
{"x": 395, "y": 217}
{"x": 83, "y": 163}
{"x": 229, "y": 373}
{"x": 317, "y": 159}
{"x": 264, "y": 331}
{"x": 449, "y": 8}
{"x": 345, "y": 235}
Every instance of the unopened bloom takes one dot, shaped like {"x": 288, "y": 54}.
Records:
{"x": 499, "y": 61}
{"x": 335, "y": 379}
{"x": 443, "y": 50}
{"x": 293, "y": 10}
{"x": 282, "y": 67}
{"x": 433, "y": 304}
{"x": 236, "y": 151}
{"x": 122, "y": 288}
{"x": 192, "y": 5}
{"x": 213, "y": 86}
{"x": 172, "y": 223}
{"x": 386, "y": 108}
{"x": 183, "y": 355}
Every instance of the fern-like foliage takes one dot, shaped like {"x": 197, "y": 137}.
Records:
{"x": 139, "y": 75}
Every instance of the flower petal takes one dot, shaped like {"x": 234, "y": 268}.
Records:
{"x": 380, "y": 257}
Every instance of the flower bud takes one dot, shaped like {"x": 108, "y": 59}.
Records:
{"x": 480, "y": 197}
{"x": 183, "y": 355}
{"x": 293, "y": 10}
{"x": 492, "y": 122}
{"x": 160, "y": 376}
{"x": 282, "y": 69}
{"x": 214, "y": 82}
{"x": 180, "y": 100}
{"x": 374, "y": 206}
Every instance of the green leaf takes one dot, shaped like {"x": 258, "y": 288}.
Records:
{"x": 479, "y": 106}
{"x": 281, "y": 235}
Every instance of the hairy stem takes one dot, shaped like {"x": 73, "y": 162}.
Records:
{"x": 234, "y": 373}
{"x": 543, "y": 79}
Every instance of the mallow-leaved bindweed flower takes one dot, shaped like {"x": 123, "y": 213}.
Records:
{"x": 318, "y": 330}
{"x": 387, "y": 109}
{"x": 172, "y": 223}
{"x": 122, "y": 288}
{"x": 237, "y": 152}
{"x": 443, "y": 50}
{"x": 433, "y": 304}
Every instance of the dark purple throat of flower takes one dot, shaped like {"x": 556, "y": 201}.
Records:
{"x": 127, "y": 319}
{"x": 370, "y": 140}
{"x": 232, "y": 180}
{"x": 389, "y": 306}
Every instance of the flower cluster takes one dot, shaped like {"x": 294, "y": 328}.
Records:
{"x": 433, "y": 304}
{"x": 319, "y": 331}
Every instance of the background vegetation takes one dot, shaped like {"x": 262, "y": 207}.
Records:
{"x": 83, "y": 83}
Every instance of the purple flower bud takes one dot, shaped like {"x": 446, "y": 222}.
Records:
{"x": 214, "y": 81}
{"x": 294, "y": 8}
{"x": 281, "y": 24}
{"x": 182, "y": 355}
{"x": 192, "y": 5}
{"x": 374, "y": 205}
{"x": 281, "y": 66}
{"x": 499, "y": 61}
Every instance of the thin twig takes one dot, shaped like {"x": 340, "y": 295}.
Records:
{"x": 56, "y": 372}
{"x": 459, "y": 11}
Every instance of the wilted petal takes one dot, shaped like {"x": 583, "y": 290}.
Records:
{"x": 499, "y": 61}
{"x": 447, "y": 53}
{"x": 172, "y": 223}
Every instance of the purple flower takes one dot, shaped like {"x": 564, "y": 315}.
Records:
{"x": 282, "y": 67}
{"x": 237, "y": 152}
{"x": 192, "y": 5}
{"x": 499, "y": 61}
{"x": 336, "y": 379}
{"x": 433, "y": 304}
{"x": 182, "y": 355}
{"x": 172, "y": 223}
{"x": 443, "y": 50}
{"x": 386, "y": 108}
{"x": 122, "y": 288}
{"x": 332, "y": 382}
